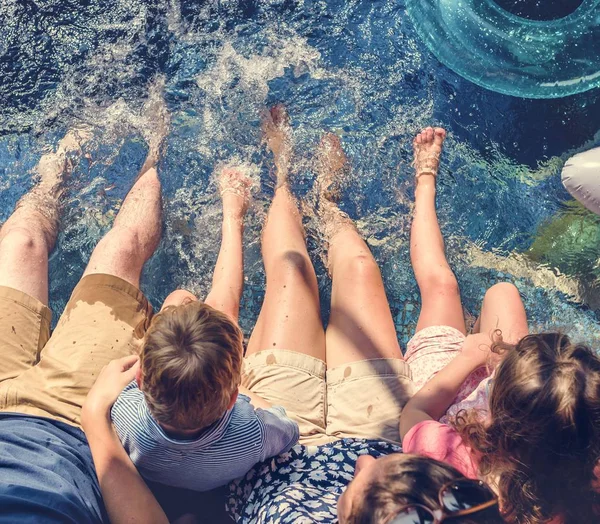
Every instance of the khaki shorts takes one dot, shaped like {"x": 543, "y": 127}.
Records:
{"x": 50, "y": 376}
{"x": 359, "y": 400}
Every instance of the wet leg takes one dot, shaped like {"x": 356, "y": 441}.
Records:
{"x": 361, "y": 325}
{"x": 440, "y": 295}
{"x": 135, "y": 233}
{"x": 137, "y": 228}
{"x": 290, "y": 315}
{"x": 228, "y": 277}
{"x": 29, "y": 234}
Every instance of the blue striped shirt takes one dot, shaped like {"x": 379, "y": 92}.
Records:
{"x": 225, "y": 451}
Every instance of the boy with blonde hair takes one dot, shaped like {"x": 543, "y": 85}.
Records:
{"x": 185, "y": 421}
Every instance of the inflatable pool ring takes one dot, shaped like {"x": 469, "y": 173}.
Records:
{"x": 581, "y": 178}
{"x": 504, "y": 45}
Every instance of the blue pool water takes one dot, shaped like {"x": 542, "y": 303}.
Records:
{"x": 356, "y": 68}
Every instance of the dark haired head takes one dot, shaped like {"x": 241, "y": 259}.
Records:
{"x": 385, "y": 486}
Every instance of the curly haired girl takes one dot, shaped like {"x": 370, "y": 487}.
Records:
{"x": 531, "y": 430}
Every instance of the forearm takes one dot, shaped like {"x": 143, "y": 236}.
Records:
{"x": 228, "y": 276}
{"x": 127, "y": 498}
{"x": 435, "y": 397}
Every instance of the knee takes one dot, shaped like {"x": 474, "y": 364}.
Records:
{"x": 124, "y": 243}
{"x": 291, "y": 264}
{"x": 502, "y": 291}
{"x": 441, "y": 282}
{"x": 23, "y": 243}
{"x": 362, "y": 267}
{"x": 178, "y": 297}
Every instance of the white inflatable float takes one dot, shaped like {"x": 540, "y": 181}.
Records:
{"x": 581, "y": 178}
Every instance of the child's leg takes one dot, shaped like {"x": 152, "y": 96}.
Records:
{"x": 440, "y": 331}
{"x": 228, "y": 276}
{"x": 502, "y": 310}
{"x": 440, "y": 296}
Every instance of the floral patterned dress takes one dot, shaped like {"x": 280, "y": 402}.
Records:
{"x": 301, "y": 486}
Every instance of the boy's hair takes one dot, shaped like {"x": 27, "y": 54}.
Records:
{"x": 411, "y": 479}
{"x": 542, "y": 441}
{"x": 191, "y": 362}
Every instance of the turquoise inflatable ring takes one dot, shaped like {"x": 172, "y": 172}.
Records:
{"x": 504, "y": 52}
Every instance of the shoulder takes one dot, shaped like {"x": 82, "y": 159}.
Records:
{"x": 243, "y": 415}
{"x": 429, "y": 433}
{"x": 441, "y": 442}
{"x": 301, "y": 485}
{"x": 130, "y": 413}
{"x": 130, "y": 396}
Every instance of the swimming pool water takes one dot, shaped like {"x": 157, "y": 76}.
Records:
{"x": 356, "y": 68}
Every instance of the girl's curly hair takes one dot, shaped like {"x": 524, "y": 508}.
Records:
{"x": 542, "y": 441}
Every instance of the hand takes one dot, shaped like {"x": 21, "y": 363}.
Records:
{"x": 108, "y": 386}
{"x": 478, "y": 349}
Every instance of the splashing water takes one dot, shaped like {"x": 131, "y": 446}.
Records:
{"x": 354, "y": 68}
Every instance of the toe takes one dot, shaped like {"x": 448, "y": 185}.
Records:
{"x": 419, "y": 139}
{"x": 429, "y": 134}
{"x": 440, "y": 135}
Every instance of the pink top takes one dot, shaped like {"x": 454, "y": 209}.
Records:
{"x": 441, "y": 442}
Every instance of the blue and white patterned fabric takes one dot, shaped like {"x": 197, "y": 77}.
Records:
{"x": 301, "y": 486}
{"x": 225, "y": 451}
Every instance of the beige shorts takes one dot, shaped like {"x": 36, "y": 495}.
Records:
{"x": 360, "y": 400}
{"x": 50, "y": 376}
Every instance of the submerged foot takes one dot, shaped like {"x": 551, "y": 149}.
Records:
{"x": 332, "y": 165}
{"x": 277, "y": 134}
{"x": 45, "y": 200}
{"x": 235, "y": 186}
{"x": 157, "y": 121}
{"x": 53, "y": 166}
{"x": 157, "y": 115}
{"x": 427, "y": 147}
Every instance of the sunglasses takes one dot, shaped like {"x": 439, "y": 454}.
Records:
{"x": 458, "y": 498}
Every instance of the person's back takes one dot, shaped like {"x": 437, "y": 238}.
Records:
{"x": 182, "y": 421}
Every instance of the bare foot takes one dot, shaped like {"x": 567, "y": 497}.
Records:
{"x": 332, "y": 164}
{"x": 277, "y": 134}
{"x": 45, "y": 198}
{"x": 428, "y": 148}
{"x": 74, "y": 139}
{"x": 158, "y": 118}
{"x": 53, "y": 166}
{"x": 235, "y": 185}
